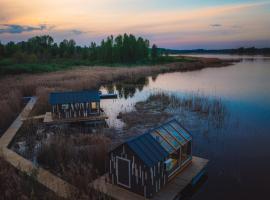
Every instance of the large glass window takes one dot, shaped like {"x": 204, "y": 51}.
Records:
{"x": 181, "y": 130}
{"x": 169, "y": 138}
{"x": 186, "y": 152}
{"x": 163, "y": 143}
{"x": 175, "y": 134}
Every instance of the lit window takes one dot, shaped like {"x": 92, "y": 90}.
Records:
{"x": 64, "y": 106}
{"x": 94, "y": 105}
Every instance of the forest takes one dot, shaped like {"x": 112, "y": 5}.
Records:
{"x": 42, "y": 53}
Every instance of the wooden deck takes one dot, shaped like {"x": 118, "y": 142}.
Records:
{"x": 170, "y": 192}
{"x": 50, "y": 120}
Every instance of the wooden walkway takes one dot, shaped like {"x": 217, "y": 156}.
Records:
{"x": 49, "y": 180}
{"x": 170, "y": 192}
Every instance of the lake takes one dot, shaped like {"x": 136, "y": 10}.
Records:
{"x": 239, "y": 152}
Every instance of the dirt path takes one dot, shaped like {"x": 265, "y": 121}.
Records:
{"x": 52, "y": 182}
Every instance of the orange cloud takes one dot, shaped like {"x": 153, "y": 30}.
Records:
{"x": 96, "y": 18}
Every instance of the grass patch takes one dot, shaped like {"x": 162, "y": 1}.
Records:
{"x": 160, "y": 107}
{"x": 9, "y": 66}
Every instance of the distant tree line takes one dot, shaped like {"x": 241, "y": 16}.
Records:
{"x": 41, "y": 49}
{"x": 240, "y": 51}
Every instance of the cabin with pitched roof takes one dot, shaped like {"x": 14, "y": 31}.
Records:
{"x": 146, "y": 163}
{"x": 75, "y": 105}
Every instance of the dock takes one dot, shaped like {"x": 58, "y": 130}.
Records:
{"x": 48, "y": 119}
{"x": 189, "y": 175}
{"x": 108, "y": 96}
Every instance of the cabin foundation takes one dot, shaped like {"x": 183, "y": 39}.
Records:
{"x": 188, "y": 175}
{"x": 74, "y": 107}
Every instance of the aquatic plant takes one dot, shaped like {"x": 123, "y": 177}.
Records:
{"x": 161, "y": 106}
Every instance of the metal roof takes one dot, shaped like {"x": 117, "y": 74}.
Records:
{"x": 74, "y": 97}
{"x": 147, "y": 149}
{"x": 158, "y": 143}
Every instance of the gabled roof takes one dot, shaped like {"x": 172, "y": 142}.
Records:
{"x": 74, "y": 97}
{"x": 147, "y": 149}
{"x": 158, "y": 143}
{"x": 171, "y": 135}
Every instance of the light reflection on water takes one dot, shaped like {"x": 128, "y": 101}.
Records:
{"x": 239, "y": 153}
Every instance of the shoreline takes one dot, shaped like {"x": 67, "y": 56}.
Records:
{"x": 14, "y": 87}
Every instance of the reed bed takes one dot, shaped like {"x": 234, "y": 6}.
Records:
{"x": 12, "y": 88}
{"x": 79, "y": 159}
{"x": 76, "y": 157}
{"x": 162, "y": 106}
{"x": 16, "y": 185}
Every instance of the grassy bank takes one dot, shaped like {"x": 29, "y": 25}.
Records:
{"x": 10, "y": 67}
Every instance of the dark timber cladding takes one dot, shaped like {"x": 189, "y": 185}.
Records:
{"x": 146, "y": 163}
{"x": 75, "y": 104}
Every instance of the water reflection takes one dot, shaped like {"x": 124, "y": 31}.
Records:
{"x": 245, "y": 83}
{"x": 239, "y": 152}
{"x": 127, "y": 89}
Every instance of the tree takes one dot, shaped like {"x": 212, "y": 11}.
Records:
{"x": 93, "y": 51}
{"x": 10, "y": 49}
{"x": 125, "y": 48}
{"x": 1, "y": 50}
{"x": 67, "y": 48}
{"x": 118, "y": 49}
{"x": 154, "y": 52}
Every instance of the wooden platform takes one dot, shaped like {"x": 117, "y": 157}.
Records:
{"x": 169, "y": 192}
{"x": 34, "y": 117}
{"x": 49, "y": 119}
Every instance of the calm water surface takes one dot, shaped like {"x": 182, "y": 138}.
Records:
{"x": 239, "y": 153}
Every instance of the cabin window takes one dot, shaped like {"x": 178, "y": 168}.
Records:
{"x": 64, "y": 106}
{"x": 123, "y": 172}
{"x": 186, "y": 152}
{"x": 93, "y": 105}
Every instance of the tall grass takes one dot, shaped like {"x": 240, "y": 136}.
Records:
{"x": 12, "y": 88}
{"x": 161, "y": 106}
{"x": 10, "y": 106}
{"x": 79, "y": 159}
{"x": 14, "y": 185}
{"x": 208, "y": 106}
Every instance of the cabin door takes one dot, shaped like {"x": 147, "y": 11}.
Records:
{"x": 123, "y": 172}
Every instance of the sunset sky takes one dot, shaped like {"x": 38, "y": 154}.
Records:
{"x": 176, "y": 24}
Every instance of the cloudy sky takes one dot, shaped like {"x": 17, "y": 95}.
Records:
{"x": 178, "y": 24}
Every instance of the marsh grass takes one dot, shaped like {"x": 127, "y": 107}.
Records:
{"x": 161, "y": 106}
{"x": 16, "y": 185}
{"x": 78, "y": 159}
{"x": 12, "y": 88}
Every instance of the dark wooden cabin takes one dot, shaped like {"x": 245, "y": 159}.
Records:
{"x": 146, "y": 163}
{"x": 68, "y": 105}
